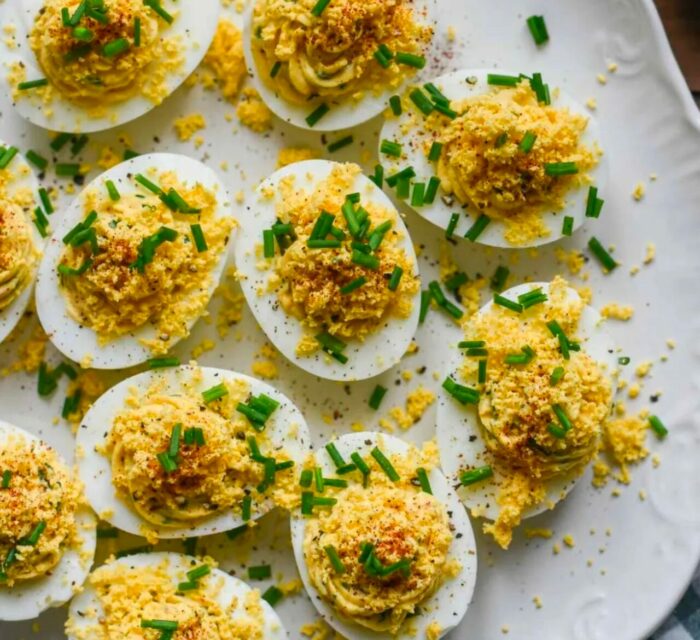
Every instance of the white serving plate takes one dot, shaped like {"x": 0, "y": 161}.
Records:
{"x": 650, "y": 125}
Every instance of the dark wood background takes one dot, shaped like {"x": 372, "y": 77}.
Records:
{"x": 682, "y": 21}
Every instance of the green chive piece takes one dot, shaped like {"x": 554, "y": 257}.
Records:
{"x": 7, "y": 156}
{"x": 353, "y": 285}
{"x": 425, "y": 298}
{"x": 525, "y": 357}
{"x": 499, "y": 278}
{"x": 540, "y": 88}
{"x": 463, "y": 395}
{"x": 339, "y": 144}
{"x": 346, "y": 468}
{"x": 435, "y": 151}
{"x": 560, "y": 168}
{"x": 382, "y": 59}
{"x": 384, "y": 463}
{"x": 334, "y": 558}
{"x": 481, "y": 377}
{"x": 268, "y": 243}
{"x": 454, "y": 220}
{"x": 112, "y": 191}
{"x": 198, "y": 236}
{"x": 275, "y": 69}
{"x": 556, "y": 430}
{"x": 116, "y": 47}
{"x": 70, "y": 271}
{"x": 156, "y": 6}
{"x": 431, "y": 190}
{"x": 455, "y": 281}
{"x": 395, "y": 278}
{"x": 403, "y": 188}
{"x": 6, "y": 478}
{"x": 319, "y": 112}
{"x": 246, "y": 507}
{"x": 332, "y": 346}
{"x": 46, "y": 201}
{"x": 423, "y": 480}
{"x": 261, "y": 572}
{"x": 37, "y": 160}
{"x": 183, "y": 586}
{"x": 335, "y": 455}
{"x": 477, "y": 228}
{"x": 410, "y": 59}
{"x": 390, "y": 148}
{"x": 476, "y": 352}
{"x": 594, "y": 205}
{"x": 395, "y": 104}
{"x": 659, "y": 428}
{"x": 272, "y": 594}
{"x": 501, "y": 140}
{"x": 83, "y": 33}
{"x": 174, "y": 446}
{"x": 323, "y": 244}
{"x": 476, "y": 475}
{"x": 214, "y": 393}
{"x": 418, "y": 196}
{"x": 161, "y": 625}
{"x": 437, "y": 293}
{"x": 378, "y": 177}
{"x": 67, "y": 169}
{"x": 57, "y": 143}
{"x": 169, "y": 465}
{"x": 567, "y": 226}
{"x": 360, "y": 463}
{"x": 306, "y": 478}
{"x": 538, "y": 29}
{"x": 408, "y": 172}
{"x": 472, "y": 344}
{"x": 319, "y": 7}
{"x": 199, "y": 572}
{"x": 318, "y": 479}
{"x": 65, "y": 17}
{"x": 377, "y": 396}
{"x": 502, "y": 80}
{"x": 563, "y": 419}
{"x": 557, "y": 375}
{"x": 605, "y": 259}
{"x": 421, "y": 101}
{"x": 365, "y": 260}
{"x": 508, "y": 304}
{"x": 32, "y": 84}
{"x": 527, "y": 142}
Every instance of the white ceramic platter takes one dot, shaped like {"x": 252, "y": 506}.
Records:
{"x": 650, "y": 125}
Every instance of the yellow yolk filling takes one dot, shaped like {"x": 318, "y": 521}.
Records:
{"x": 302, "y": 56}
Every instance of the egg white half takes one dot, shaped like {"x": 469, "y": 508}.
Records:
{"x": 77, "y": 341}
{"x": 380, "y": 350}
{"x": 27, "y": 599}
{"x": 229, "y": 592}
{"x": 459, "y": 431}
{"x": 455, "y": 86}
{"x": 286, "y": 428}
{"x": 195, "y": 25}
{"x": 11, "y": 316}
{"x": 449, "y": 603}
{"x": 342, "y": 115}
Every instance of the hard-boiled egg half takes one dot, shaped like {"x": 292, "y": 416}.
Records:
{"x": 189, "y": 451}
{"x": 89, "y": 65}
{"x": 48, "y": 532}
{"x": 382, "y": 543}
{"x": 329, "y": 270}
{"x": 329, "y": 66}
{"x": 134, "y": 260}
{"x": 520, "y": 413}
{"x": 21, "y": 241}
{"x": 496, "y": 157}
{"x": 170, "y": 593}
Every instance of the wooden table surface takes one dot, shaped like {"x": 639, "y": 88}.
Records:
{"x": 682, "y": 21}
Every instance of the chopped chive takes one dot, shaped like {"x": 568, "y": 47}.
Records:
{"x": 431, "y": 190}
{"x": 499, "y": 278}
{"x": 508, "y": 304}
{"x": 435, "y": 151}
{"x": 408, "y": 172}
{"x": 67, "y": 169}
{"x": 659, "y": 428}
{"x": 464, "y": 395}
{"x": 65, "y": 17}
{"x": 306, "y": 478}
{"x": 557, "y": 375}
{"x": 268, "y": 244}
{"x": 335, "y": 454}
{"x": 605, "y": 259}
{"x": 77, "y": 52}
{"x": 57, "y": 143}
{"x": 410, "y": 59}
{"x": 335, "y": 482}
{"x": 403, "y": 188}
{"x": 385, "y": 464}
{"x": 454, "y": 219}
{"x": 323, "y": 244}
{"x": 354, "y": 284}
{"x": 161, "y": 625}
{"x": 501, "y": 140}
{"x": 319, "y": 7}
{"x": 200, "y": 241}
{"x": 456, "y": 280}
{"x": 390, "y": 148}
{"x": 418, "y": 196}
{"x": 7, "y": 156}
{"x": 437, "y": 293}
{"x": 365, "y": 260}
{"x": 174, "y": 446}
{"x": 556, "y": 430}
{"x": 360, "y": 463}
{"x": 472, "y": 344}
{"x": 339, "y": 144}
{"x": 346, "y": 468}
{"x": 37, "y": 160}
{"x": 156, "y": 6}
{"x": 83, "y": 33}
{"x": 137, "y": 32}
{"x": 476, "y": 352}
{"x": 334, "y": 558}
{"x": 199, "y": 572}
{"x": 425, "y": 298}
{"x": 377, "y": 396}
{"x": 378, "y": 177}
{"x": 538, "y": 29}
{"x": 214, "y": 393}
{"x": 527, "y": 142}
{"x": 6, "y": 478}
{"x": 423, "y": 480}
{"x": 319, "y": 112}
{"x": 246, "y": 507}
{"x": 169, "y": 465}
{"x": 421, "y": 101}
{"x": 112, "y": 191}
{"x": 382, "y": 59}
{"x": 477, "y": 228}
{"x": 116, "y": 47}
{"x": 561, "y": 416}
{"x": 320, "y": 501}
{"x": 32, "y": 84}
{"x": 567, "y": 226}
{"x": 261, "y": 572}
{"x": 560, "y": 168}
{"x": 395, "y": 278}
{"x": 525, "y": 357}
{"x": 540, "y": 88}
{"x": 395, "y": 104}
{"x": 594, "y": 204}
{"x": 46, "y": 201}
{"x": 318, "y": 479}
{"x": 532, "y": 297}
{"x": 624, "y": 360}
{"x": 481, "y": 376}
{"x": 65, "y": 270}
{"x": 182, "y": 586}
{"x": 475, "y": 475}
{"x": 502, "y": 80}
{"x": 323, "y": 224}
{"x": 275, "y": 69}
{"x": 444, "y": 110}
{"x": 272, "y": 594}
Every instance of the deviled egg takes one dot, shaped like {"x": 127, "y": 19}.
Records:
{"x": 169, "y": 595}
{"x": 22, "y": 228}
{"x": 521, "y": 413}
{"x": 188, "y": 451}
{"x": 47, "y": 532}
{"x": 89, "y": 65}
{"x": 333, "y": 65}
{"x": 134, "y": 261}
{"x": 382, "y": 543}
{"x": 497, "y": 158}
{"x": 329, "y": 270}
